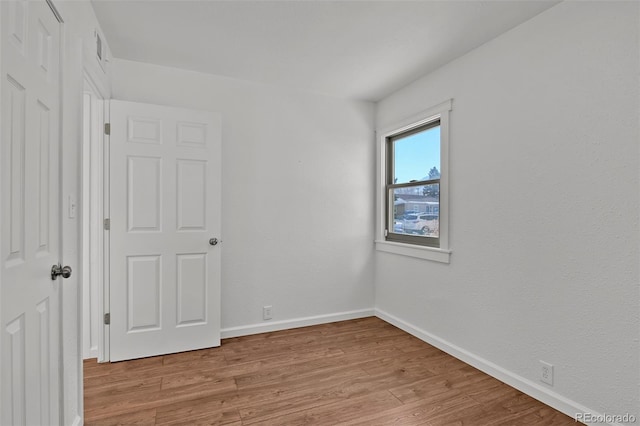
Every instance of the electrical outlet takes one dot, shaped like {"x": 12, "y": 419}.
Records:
{"x": 73, "y": 207}
{"x": 267, "y": 312}
{"x": 546, "y": 373}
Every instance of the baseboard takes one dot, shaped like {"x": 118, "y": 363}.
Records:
{"x": 269, "y": 326}
{"x": 529, "y": 387}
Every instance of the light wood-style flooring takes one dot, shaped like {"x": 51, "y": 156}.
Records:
{"x": 359, "y": 372}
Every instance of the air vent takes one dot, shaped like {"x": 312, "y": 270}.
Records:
{"x": 99, "y": 47}
{"x": 101, "y": 50}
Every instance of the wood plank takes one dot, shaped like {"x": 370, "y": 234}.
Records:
{"x": 209, "y": 410}
{"x": 311, "y": 395}
{"x": 142, "y": 418}
{"x": 358, "y": 372}
{"x": 93, "y": 369}
{"x": 99, "y": 408}
{"x": 419, "y": 412}
{"x": 337, "y": 413}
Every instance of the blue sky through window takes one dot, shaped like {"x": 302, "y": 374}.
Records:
{"x": 415, "y": 155}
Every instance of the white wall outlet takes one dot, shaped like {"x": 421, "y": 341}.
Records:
{"x": 546, "y": 373}
{"x": 267, "y": 313}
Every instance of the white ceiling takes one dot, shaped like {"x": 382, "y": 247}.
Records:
{"x": 353, "y": 49}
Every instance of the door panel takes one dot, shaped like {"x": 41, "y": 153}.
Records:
{"x": 30, "y": 332}
{"x": 191, "y": 195}
{"x": 16, "y": 120}
{"x": 191, "y": 289}
{"x": 165, "y": 206}
{"x": 143, "y": 293}
{"x": 144, "y": 186}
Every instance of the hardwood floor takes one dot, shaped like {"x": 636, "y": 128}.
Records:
{"x": 359, "y": 372}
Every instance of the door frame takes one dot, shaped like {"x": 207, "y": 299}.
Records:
{"x": 95, "y": 74}
{"x": 93, "y": 212}
{"x": 2, "y": 84}
{"x": 106, "y": 240}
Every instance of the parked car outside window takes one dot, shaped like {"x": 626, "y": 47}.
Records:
{"x": 420, "y": 223}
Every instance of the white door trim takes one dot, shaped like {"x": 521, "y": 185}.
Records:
{"x": 106, "y": 240}
{"x": 92, "y": 219}
{"x": 97, "y": 78}
{"x": 1, "y": 236}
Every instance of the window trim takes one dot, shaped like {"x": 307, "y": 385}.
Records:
{"x": 439, "y": 254}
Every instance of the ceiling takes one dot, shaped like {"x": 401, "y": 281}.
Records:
{"x": 353, "y": 49}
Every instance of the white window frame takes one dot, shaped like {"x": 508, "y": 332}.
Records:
{"x": 437, "y": 254}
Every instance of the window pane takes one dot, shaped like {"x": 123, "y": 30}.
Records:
{"x": 416, "y": 210}
{"x": 417, "y": 156}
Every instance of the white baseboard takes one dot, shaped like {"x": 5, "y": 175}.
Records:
{"x": 269, "y": 326}
{"x": 529, "y": 387}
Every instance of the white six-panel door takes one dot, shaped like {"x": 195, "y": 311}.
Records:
{"x": 30, "y": 328}
{"x": 164, "y": 210}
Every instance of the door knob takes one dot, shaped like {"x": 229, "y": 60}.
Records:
{"x": 58, "y": 269}
{"x": 213, "y": 241}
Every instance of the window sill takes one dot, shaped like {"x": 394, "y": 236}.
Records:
{"x": 410, "y": 250}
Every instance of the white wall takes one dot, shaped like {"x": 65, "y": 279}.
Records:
{"x": 79, "y": 25}
{"x": 297, "y": 193}
{"x": 544, "y": 207}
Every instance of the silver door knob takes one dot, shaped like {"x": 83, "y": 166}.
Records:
{"x": 213, "y": 241}
{"x": 58, "y": 269}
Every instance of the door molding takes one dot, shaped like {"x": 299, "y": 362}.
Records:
{"x": 96, "y": 77}
{"x": 1, "y": 235}
{"x": 92, "y": 216}
{"x": 106, "y": 240}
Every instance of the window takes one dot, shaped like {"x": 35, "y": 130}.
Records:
{"x": 413, "y": 200}
{"x": 413, "y": 185}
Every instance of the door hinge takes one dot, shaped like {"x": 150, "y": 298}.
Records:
{"x": 107, "y": 224}
{"x": 107, "y": 128}
{"x": 107, "y": 319}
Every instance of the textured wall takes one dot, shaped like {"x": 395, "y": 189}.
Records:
{"x": 544, "y": 205}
